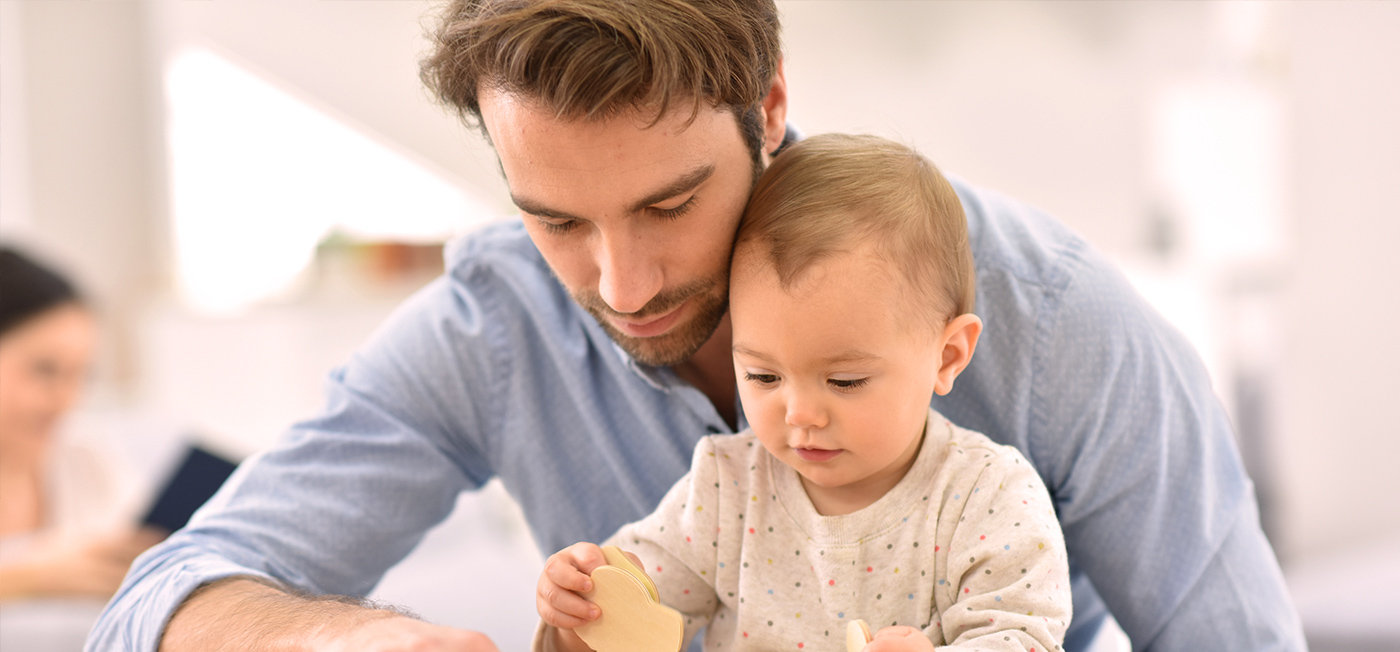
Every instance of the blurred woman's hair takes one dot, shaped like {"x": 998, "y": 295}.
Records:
{"x": 28, "y": 289}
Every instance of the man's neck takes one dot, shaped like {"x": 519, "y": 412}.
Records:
{"x": 711, "y": 370}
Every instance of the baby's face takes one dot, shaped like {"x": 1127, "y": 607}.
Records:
{"x": 835, "y": 382}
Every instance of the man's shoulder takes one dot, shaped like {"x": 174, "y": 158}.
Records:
{"x": 1032, "y": 269}
{"x": 495, "y": 300}
{"x": 497, "y": 270}
{"x": 1016, "y": 240}
{"x": 501, "y": 244}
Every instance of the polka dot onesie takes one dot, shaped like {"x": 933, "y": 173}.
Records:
{"x": 965, "y": 547}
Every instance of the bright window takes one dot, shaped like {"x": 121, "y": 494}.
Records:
{"x": 259, "y": 177}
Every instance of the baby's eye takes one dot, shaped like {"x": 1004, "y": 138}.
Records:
{"x": 761, "y": 379}
{"x": 847, "y": 383}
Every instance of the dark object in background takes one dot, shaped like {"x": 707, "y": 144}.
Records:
{"x": 199, "y": 475}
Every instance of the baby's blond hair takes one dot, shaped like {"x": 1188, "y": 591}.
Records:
{"x": 832, "y": 193}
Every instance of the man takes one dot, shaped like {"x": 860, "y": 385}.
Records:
{"x": 581, "y": 354}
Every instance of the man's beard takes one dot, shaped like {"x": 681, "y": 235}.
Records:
{"x": 710, "y": 300}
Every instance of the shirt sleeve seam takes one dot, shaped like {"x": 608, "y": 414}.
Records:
{"x": 500, "y": 369}
{"x": 1048, "y": 313}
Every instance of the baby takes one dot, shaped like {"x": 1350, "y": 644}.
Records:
{"x": 851, "y": 293}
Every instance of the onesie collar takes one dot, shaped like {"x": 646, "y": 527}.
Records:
{"x": 891, "y": 510}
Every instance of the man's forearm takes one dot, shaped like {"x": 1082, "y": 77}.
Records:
{"x": 247, "y": 614}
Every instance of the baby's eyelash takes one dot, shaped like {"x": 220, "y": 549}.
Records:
{"x": 763, "y": 379}
{"x": 852, "y": 383}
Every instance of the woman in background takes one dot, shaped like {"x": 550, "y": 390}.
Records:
{"x": 64, "y": 511}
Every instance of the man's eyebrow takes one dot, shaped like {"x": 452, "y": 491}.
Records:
{"x": 687, "y": 182}
{"x": 531, "y": 208}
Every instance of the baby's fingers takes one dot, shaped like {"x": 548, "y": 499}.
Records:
{"x": 561, "y": 607}
{"x": 565, "y": 619}
{"x": 570, "y": 569}
{"x": 584, "y": 556}
{"x": 565, "y": 576}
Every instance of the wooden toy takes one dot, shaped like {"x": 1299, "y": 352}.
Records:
{"x": 633, "y": 618}
{"x": 857, "y": 635}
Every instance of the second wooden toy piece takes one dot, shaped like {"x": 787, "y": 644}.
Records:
{"x": 857, "y": 635}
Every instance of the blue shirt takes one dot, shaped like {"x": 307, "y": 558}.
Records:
{"x": 492, "y": 370}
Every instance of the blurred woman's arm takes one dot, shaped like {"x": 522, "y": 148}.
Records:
{"x": 74, "y": 567}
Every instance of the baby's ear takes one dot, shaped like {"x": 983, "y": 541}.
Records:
{"x": 959, "y": 340}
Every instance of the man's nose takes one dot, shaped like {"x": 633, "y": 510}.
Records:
{"x": 629, "y": 273}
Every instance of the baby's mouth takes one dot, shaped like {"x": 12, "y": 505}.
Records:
{"x": 817, "y": 454}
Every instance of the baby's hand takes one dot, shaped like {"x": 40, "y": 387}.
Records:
{"x": 566, "y": 575}
{"x": 899, "y": 639}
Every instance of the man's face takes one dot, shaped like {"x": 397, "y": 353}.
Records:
{"x": 636, "y": 220}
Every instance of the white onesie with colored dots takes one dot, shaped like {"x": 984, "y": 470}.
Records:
{"x": 965, "y": 547}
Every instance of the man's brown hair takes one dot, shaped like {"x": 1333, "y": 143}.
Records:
{"x": 833, "y": 193}
{"x": 596, "y": 59}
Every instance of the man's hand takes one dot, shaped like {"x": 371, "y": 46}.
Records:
{"x": 899, "y": 639}
{"x": 247, "y": 615}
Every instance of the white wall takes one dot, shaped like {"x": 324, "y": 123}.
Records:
{"x": 15, "y": 218}
{"x": 1045, "y": 101}
{"x": 356, "y": 60}
{"x": 82, "y": 179}
{"x": 1339, "y": 440}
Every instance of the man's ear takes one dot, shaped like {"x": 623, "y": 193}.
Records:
{"x": 959, "y": 341}
{"x": 774, "y": 108}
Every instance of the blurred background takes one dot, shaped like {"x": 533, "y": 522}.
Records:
{"x": 247, "y": 188}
